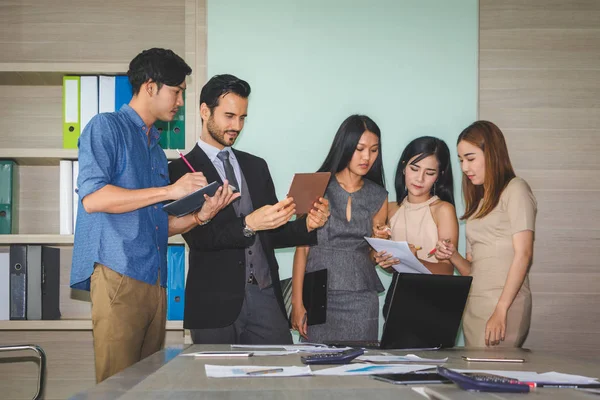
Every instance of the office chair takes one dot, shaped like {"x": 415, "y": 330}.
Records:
{"x": 42, "y": 365}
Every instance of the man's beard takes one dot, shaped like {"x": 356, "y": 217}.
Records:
{"x": 218, "y": 134}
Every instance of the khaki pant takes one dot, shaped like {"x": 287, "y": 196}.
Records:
{"x": 128, "y": 319}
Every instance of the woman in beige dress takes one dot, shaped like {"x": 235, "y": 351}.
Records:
{"x": 500, "y": 211}
{"x": 424, "y": 208}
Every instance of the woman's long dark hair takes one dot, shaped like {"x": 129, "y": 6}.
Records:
{"x": 422, "y": 147}
{"x": 344, "y": 145}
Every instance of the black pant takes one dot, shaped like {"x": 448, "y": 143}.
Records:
{"x": 260, "y": 322}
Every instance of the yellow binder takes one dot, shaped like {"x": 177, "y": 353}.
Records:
{"x": 71, "y": 113}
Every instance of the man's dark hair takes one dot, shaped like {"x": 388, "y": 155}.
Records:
{"x": 162, "y": 66}
{"x": 220, "y": 85}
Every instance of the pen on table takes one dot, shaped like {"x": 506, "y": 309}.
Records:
{"x": 186, "y": 161}
{"x": 265, "y": 371}
{"x": 563, "y": 385}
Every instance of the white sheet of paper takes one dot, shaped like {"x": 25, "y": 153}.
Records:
{"x": 421, "y": 391}
{"x": 370, "y": 369}
{"x": 255, "y": 353}
{"x": 409, "y": 358}
{"x": 264, "y": 353}
{"x": 532, "y": 376}
{"x": 241, "y": 371}
{"x": 298, "y": 348}
{"x": 208, "y": 354}
{"x": 400, "y": 250}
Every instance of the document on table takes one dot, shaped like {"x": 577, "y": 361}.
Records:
{"x": 400, "y": 250}
{"x": 254, "y": 371}
{"x": 532, "y": 376}
{"x": 370, "y": 369}
{"x": 297, "y": 348}
{"x": 255, "y": 353}
{"x": 409, "y": 358}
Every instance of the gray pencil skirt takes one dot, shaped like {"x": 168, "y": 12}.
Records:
{"x": 351, "y": 315}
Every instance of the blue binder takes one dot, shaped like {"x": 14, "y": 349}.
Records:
{"x": 175, "y": 282}
{"x": 123, "y": 91}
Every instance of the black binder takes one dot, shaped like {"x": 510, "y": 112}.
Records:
{"x": 192, "y": 201}
{"x": 314, "y": 296}
{"x": 50, "y": 283}
{"x": 18, "y": 282}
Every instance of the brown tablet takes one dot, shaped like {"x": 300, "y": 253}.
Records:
{"x": 307, "y": 188}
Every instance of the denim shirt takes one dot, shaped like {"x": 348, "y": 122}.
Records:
{"x": 113, "y": 150}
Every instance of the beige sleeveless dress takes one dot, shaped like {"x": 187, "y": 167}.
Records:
{"x": 489, "y": 240}
{"x": 414, "y": 224}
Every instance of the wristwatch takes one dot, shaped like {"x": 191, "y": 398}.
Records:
{"x": 247, "y": 231}
{"x": 198, "y": 220}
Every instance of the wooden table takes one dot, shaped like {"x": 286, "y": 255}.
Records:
{"x": 165, "y": 375}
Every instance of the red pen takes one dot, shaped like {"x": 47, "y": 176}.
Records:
{"x": 186, "y": 161}
{"x": 432, "y": 252}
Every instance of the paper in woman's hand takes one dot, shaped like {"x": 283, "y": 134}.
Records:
{"x": 400, "y": 250}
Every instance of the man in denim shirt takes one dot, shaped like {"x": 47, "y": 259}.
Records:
{"x": 122, "y": 231}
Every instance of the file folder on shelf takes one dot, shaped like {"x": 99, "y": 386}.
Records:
{"x": 50, "y": 283}
{"x": 34, "y": 282}
{"x": 175, "y": 282}
{"x": 123, "y": 91}
{"x": 71, "y": 116}
{"x": 106, "y": 93}
{"x": 163, "y": 130}
{"x": 9, "y": 189}
{"x": 88, "y": 100}
{"x": 4, "y": 286}
{"x": 66, "y": 197}
{"x": 172, "y": 133}
{"x": 18, "y": 282}
{"x": 74, "y": 193}
{"x": 177, "y": 130}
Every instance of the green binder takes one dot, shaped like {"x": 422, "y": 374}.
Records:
{"x": 172, "y": 133}
{"x": 163, "y": 129}
{"x": 177, "y": 130}
{"x": 9, "y": 189}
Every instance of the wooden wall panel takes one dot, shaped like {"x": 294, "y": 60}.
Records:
{"x": 540, "y": 82}
{"x": 92, "y": 30}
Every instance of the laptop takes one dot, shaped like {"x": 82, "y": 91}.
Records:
{"x": 425, "y": 313}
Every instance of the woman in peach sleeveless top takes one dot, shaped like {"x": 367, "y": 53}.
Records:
{"x": 424, "y": 210}
{"x": 500, "y": 211}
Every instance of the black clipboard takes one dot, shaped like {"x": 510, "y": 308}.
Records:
{"x": 192, "y": 201}
{"x": 314, "y": 296}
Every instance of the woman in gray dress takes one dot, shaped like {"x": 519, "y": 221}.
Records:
{"x": 357, "y": 201}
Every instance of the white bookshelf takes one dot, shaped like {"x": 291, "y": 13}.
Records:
{"x": 64, "y": 325}
{"x": 56, "y": 240}
{"x": 47, "y": 157}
